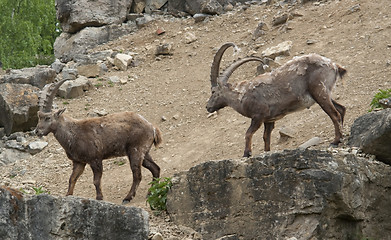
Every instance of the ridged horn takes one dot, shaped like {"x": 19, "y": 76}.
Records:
{"x": 228, "y": 72}
{"x": 47, "y": 95}
{"x": 214, "y": 73}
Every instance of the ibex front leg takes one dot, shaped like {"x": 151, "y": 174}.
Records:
{"x": 255, "y": 124}
{"x": 78, "y": 169}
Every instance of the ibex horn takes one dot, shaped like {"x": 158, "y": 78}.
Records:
{"x": 47, "y": 95}
{"x": 227, "y": 72}
{"x": 216, "y": 62}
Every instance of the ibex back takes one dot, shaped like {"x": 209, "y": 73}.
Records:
{"x": 89, "y": 141}
{"x": 294, "y": 86}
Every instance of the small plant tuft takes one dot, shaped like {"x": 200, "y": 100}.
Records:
{"x": 157, "y": 193}
{"x": 39, "y": 190}
{"x": 380, "y": 95}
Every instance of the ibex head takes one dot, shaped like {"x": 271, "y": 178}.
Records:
{"x": 46, "y": 118}
{"x": 219, "y": 98}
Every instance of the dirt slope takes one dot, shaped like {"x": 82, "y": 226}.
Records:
{"x": 352, "y": 33}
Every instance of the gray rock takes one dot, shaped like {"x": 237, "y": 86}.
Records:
{"x": 89, "y": 70}
{"x": 76, "y": 15}
{"x": 152, "y": 5}
{"x": 69, "y": 73}
{"x": 57, "y": 65}
{"x": 144, "y": 20}
{"x": 260, "y": 30}
{"x": 69, "y": 47}
{"x": 372, "y": 133}
{"x": 138, "y": 6}
{"x": 92, "y": 58}
{"x": 282, "y": 49}
{"x": 190, "y": 37}
{"x": 199, "y": 17}
{"x": 48, "y": 217}
{"x": 18, "y": 107}
{"x": 312, "y": 142}
{"x": 36, "y": 146}
{"x": 212, "y": 7}
{"x": 37, "y": 76}
{"x": 164, "y": 49}
{"x": 307, "y": 194}
{"x": 74, "y": 89}
{"x": 122, "y": 61}
{"x": 8, "y": 156}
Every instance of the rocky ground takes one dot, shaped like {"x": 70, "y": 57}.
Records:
{"x": 171, "y": 91}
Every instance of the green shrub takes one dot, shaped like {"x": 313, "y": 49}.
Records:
{"x": 28, "y": 30}
{"x": 157, "y": 193}
{"x": 380, "y": 95}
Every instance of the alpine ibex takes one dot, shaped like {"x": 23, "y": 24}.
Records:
{"x": 292, "y": 87}
{"x": 89, "y": 141}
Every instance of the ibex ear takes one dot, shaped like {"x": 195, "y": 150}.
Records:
{"x": 59, "y": 112}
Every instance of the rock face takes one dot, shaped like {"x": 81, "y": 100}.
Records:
{"x": 18, "y": 107}
{"x": 69, "y": 47}
{"x": 372, "y": 133}
{"x": 48, "y": 217}
{"x": 285, "y": 195}
{"x": 76, "y": 15}
{"x": 37, "y": 76}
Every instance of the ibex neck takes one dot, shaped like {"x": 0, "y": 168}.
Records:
{"x": 65, "y": 131}
{"x": 234, "y": 99}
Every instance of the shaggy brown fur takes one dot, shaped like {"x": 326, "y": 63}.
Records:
{"x": 294, "y": 86}
{"x": 89, "y": 141}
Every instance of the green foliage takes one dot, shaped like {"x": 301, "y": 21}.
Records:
{"x": 380, "y": 95}
{"x": 39, "y": 190}
{"x": 28, "y": 29}
{"x": 157, "y": 193}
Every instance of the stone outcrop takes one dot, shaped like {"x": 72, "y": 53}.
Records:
{"x": 37, "y": 76}
{"x": 48, "y": 217}
{"x": 372, "y": 133}
{"x": 69, "y": 46}
{"x": 75, "y": 88}
{"x": 76, "y": 15}
{"x": 293, "y": 194}
{"x": 18, "y": 107}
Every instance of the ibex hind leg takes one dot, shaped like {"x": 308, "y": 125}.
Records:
{"x": 269, "y": 126}
{"x": 135, "y": 159}
{"x": 149, "y": 164}
{"x": 255, "y": 125}
{"x": 97, "y": 170}
{"x": 341, "y": 109}
{"x": 152, "y": 167}
{"x": 333, "y": 109}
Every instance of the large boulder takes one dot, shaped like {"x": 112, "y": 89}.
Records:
{"x": 37, "y": 76}
{"x": 48, "y": 217}
{"x": 18, "y": 107}
{"x": 372, "y": 133}
{"x": 200, "y": 6}
{"x": 69, "y": 47}
{"x": 76, "y": 15}
{"x": 75, "y": 88}
{"x": 293, "y": 194}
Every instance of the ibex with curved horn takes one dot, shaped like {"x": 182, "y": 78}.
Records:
{"x": 294, "y": 86}
{"x": 89, "y": 141}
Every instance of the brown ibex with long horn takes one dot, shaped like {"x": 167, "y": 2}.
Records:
{"x": 296, "y": 85}
{"x": 91, "y": 140}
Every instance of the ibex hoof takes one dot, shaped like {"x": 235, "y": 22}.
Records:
{"x": 125, "y": 201}
{"x": 247, "y": 154}
{"x": 335, "y": 144}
